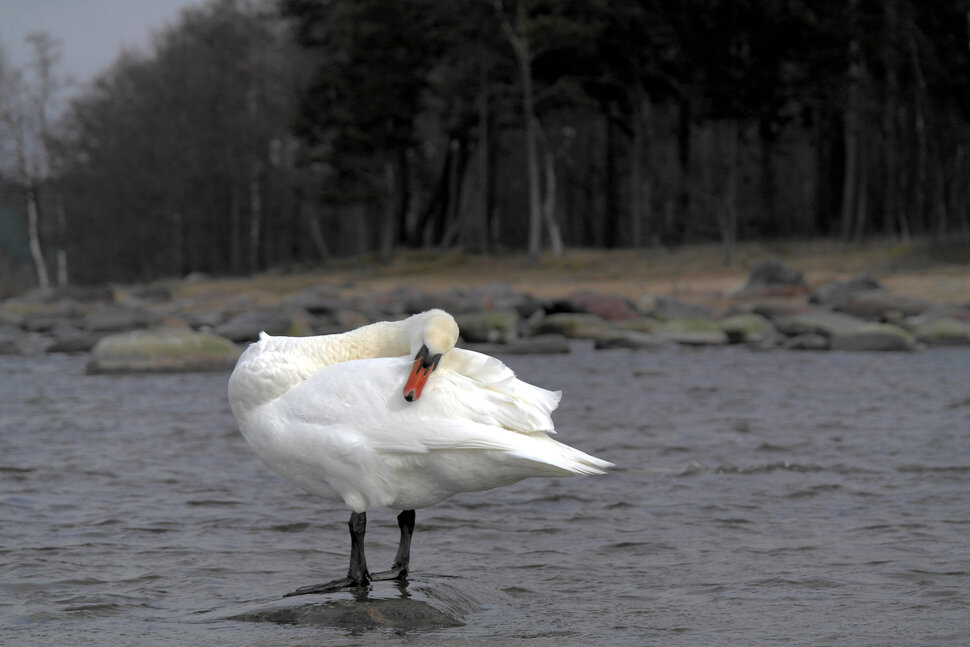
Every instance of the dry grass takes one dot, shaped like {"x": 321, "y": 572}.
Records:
{"x": 932, "y": 271}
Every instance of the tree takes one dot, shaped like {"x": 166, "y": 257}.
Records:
{"x": 25, "y": 105}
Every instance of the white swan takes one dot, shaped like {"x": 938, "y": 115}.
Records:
{"x": 328, "y": 414}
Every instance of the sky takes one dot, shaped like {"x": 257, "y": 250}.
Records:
{"x": 91, "y": 32}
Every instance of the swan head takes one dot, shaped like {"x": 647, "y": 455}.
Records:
{"x": 433, "y": 334}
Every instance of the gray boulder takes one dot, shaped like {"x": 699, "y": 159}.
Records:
{"x": 633, "y": 339}
{"x": 491, "y": 326}
{"x": 692, "y": 332}
{"x": 807, "y": 341}
{"x": 879, "y": 305}
{"x": 162, "y": 351}
{"x": 575, "y": 324}
{"x": 943, "y": 332}
{"x": 117, "y": 319}
{"x": 819, "y": 322}
{"x": 773, "y": 277}
{"x": 317, "y": 300}
{"x": 873, "y": 337}
{"x": 748, "y": 328}
{"x": 247, "y": 326}
{"x": 836, "y": 293}
{"x": 536, "y": 345}
{"x": 666, "y": 308}
{"x": 611, "y": 307}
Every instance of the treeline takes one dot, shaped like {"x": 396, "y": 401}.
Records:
{"x": 256, "y": 133}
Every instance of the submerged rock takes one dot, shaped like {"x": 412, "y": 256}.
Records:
{"x": 162, "y": 351}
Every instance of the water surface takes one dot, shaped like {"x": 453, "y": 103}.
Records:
{"x": 759, "y": 498}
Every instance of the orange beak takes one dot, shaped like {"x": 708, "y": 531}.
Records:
{"x": 424, "y": 364}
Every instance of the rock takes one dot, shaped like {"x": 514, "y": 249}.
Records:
{"x": 153, "y": 294}
{"x": 773, "y": 277}
{"x": 667, "y": 308}
{"x": 247, "y": 326}
{"x": 940, "y": 311}
{"x": 633, "y": 339}
{"x": 943, "y": 332}
{"x": 68, "y": 339}
{"x": 835, "y": 293}
{"x": 693, "y": 332}
{"x": 873, "y": 336}
{"x": 317, "y": 300}
{"x": 117, "y": 319}
{"x": 536, "y": 345}
{"x": 879, "y": 305}
{"x": 819, "y": 322}
{"x": 25, "y": 310}
{"x": 491, "y": 326}
{"x": 773, "y": 310}
{"x": 196, "y": 277}
{"x": 641, "y": 324}
{"x": 807, "y": 341}
{"x": 162, "y": 351}
{"x": 748, "y": 328}
{"x": 611, "y": 307}
{"x": 497, "y": 295}
{"x": 577, "y": 325}
{"x": 12, "y": 340}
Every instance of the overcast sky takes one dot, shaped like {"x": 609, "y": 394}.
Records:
{"x": 91, "y": 32}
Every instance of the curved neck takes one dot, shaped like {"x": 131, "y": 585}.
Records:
{"x": 274, "y": 365}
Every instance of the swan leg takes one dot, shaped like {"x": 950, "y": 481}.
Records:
{"x": 399, "y": 570}
{"x": 357, "y": 575}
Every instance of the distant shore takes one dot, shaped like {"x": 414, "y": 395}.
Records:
{"x": 937, "y": 272}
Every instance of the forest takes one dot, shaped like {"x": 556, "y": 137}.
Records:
{"x": 257, "y": 134}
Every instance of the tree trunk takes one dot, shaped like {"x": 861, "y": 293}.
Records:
{"x": 549, "y": 205}
{"x": 727, "y": 209}
{"x": 520, "y": 44}
{"x": 255, "y": 215}
{"x": 33, "y": 235}
{"x": 386, "y": 241}
{"x": 640, "y": 105}
{"x": 851, "y": 126}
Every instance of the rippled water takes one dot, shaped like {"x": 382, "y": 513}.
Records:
{"x": 759, "y": 498}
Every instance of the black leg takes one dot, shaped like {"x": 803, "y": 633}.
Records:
{"x": 357, "y": 574}
{"x": 399, "y": 570}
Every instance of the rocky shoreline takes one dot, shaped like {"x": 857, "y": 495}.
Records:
{"x": 153, "y": 330}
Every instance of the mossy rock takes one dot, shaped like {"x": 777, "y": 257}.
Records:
{"x": 747, "y": 328}
{"x": 162, "y": 351}
{"x": 944, "y": 332}
{"x": 693, "y": 332}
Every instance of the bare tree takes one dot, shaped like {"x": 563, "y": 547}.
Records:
{"x": 23, "y": 125}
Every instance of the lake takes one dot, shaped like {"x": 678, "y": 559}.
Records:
{"x": 759, "y": 498}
